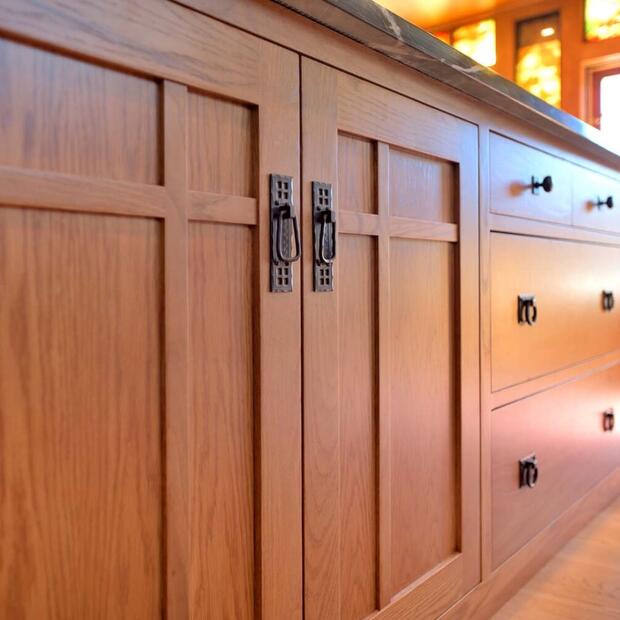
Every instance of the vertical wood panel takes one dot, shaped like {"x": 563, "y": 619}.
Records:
{"x": 65, "y": 115}
{"x": 222, "y": 419}
{"x": 424, "y": 423}
{"x": 221, "y": 146}
{"x": 358, "y": 421}
{"x": 385, "y": 408}
{"x": 322, "y": 497}
{"x": 176, "y": 362}
{"x": 80, "y": 416}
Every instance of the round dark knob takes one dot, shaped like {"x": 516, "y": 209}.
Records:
{"x": 608, "y": 202}
{"x": 546, "y": 184}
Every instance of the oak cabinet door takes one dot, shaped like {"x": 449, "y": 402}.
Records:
{"x": 150, "y": 399}
{"x": 391, "y": 397}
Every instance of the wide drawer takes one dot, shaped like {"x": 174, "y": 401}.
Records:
{"x": 596, "y": 201}
{"x": 568, "y": 281}
{"x": 565, "y": 429}
{"x": 512, "y": 168}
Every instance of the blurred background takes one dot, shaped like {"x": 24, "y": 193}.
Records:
{"x": 566, "y": 52}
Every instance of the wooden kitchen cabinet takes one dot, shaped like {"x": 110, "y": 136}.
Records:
{"x": 391, "y": 437}
{"x": 151, "y": 402}
{"x": 260, "y": 354}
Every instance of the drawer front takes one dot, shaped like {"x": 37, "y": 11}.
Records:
{"x": 512, "y": 166}
{"x": 572, "y": 324}
{"x": 596, "y": 201}
{"x": 565, "y": 429}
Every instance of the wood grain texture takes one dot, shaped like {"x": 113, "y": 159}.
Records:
{"x": 423, "y": 406}
{"x": 80, "y": 416}
{"x": 567, "y": 279}
{"x": 512, "y": 166}
{"x": 564, "y": 428}
{"x": 210, "y": 207}
{"x": 221, "y": 146}
{"x": 418, "y": 569}
{"x": 176, "y": 363}
{"x": 357, "y": 180}
{"x": 358, "y": 425}
{"x": 51, "y": 190}
{"x": 64, "y": 115}
{"x": 421, "y": 187}
{"x": 581, "y": 581}
{"x": 222, "y": 421}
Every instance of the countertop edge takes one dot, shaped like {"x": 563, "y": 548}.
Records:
{"x": 376, "y": 27}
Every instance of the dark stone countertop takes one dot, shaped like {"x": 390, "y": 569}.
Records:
{"x": 379, "y": 29}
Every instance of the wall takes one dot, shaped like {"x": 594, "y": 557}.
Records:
{"x": 576, "y": 52}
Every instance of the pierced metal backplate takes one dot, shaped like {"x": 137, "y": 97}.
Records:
{"x": 323, "y": 218}
{"x": 281, "y": 198}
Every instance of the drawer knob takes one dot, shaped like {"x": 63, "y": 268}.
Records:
{"x": 609, "y": 420}
{"x": 608, "y": 202}
{"x": 527, "y": 310}
{"x": 608, "y": 301}
{"x": 528, "y": 472}
{"x": 546, "y": 184}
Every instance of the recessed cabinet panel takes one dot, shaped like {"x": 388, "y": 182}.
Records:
{"x": 357, "y": 373}
{"x": 421, "y": 187}
{"x": 222, "y": 426}
{"x": 357, "y": 177}
{"x": 80, "y": 416}
{"x": 391, "y": 488}
{"x": 565, "y": 283}
{"x": 222, "y": 146}
{"x": 423, "y": 407}
{"x": 564, "y": 428}
{"x": 65, "y": 115}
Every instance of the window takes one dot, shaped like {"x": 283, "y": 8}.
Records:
{"x": 602, "y": 19}
{"x": 538, "y": 57}
{"x": 477, "y": 41}
{"x": 606, "y": 102}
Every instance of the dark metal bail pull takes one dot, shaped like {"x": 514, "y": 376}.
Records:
{"x": 608, "y": 301}
{"x": 328, "y": 218}
{"x": 285, "y": 215}
{"x": 528, "y": 472}
{"x": 609, "y": 420}
{"x": 527, "y": 310}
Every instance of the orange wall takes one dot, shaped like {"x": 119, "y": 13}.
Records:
{"x": 575, "y": 51}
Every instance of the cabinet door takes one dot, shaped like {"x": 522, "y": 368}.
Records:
{"x": 150, "y": 400}
{"x": 391, "y": 411}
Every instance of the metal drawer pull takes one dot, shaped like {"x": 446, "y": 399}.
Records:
{"x": 324, "y": 236}
{"x": 283, "y": 222}
{"x": 609, "y": 420}
{"x": 527, "y": 311}
{"x": 546, "y": 184}
{"x": 608, "y": 202}
{"x": 608, "y": 301}
{"x": 528, "y": 472}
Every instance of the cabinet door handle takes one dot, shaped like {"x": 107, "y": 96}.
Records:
{"x": 324, "y": 236}
{"x": 527, "y": 310}
{"x": 609, "y": 420}
{"x": 608, "y": 301}
{"x": 528, "y": 471}
{"x": 283, "y": 224}
{"x": 608, "y": 202}
{"x": 546, "y": 184}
